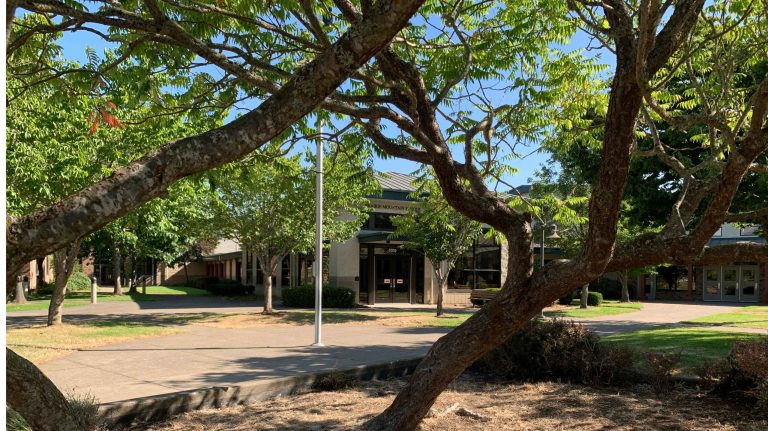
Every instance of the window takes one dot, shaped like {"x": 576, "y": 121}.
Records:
{"x": 379, "y": 221}
{"x": 478, "y": 268}
{"x": 748, "y": 231}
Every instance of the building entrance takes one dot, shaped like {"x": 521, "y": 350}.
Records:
{"x": 390, "y": 273}
{"x": 393, "y": 278}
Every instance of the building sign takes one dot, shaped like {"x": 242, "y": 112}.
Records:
{"x": 391, "y": 207}
{"x": 399, "y": 281}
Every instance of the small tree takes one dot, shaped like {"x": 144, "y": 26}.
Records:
{"x": 268, "y": 207}
{"x": 437, "y": 230}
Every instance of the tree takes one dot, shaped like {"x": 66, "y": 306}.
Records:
{"x": 285, "y": 91}
{"x": 267, "y": 204}
{"x": 440, "y": 232}
{"x": 433, "y": 90}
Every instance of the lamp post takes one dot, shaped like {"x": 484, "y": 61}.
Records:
{"x": 554, "y": 235}
{"x": 319, "y": 238}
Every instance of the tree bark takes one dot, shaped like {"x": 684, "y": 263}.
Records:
{"x": 19, "y": 297}
{"x": 624, "y": 279}
{"x": 63, "y": 261}
{"x": 129, "y": 276}
{"x": 116, "y": 257}
{"x": 36, "y": 398}
{"x": 441, "y": 291}
{"x": 269, "y": 270}
{"x": 584, "y": 300}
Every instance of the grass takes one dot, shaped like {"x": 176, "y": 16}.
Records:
{"x": 76, "y": 299}
{"x": 609, "y": 307}
{"x": 755, "y": 316}
{"x": 395, "y": 318}
{"x": 696, "y": 345}
{"x": 41, "y": 343}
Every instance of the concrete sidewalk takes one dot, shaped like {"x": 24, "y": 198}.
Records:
{"x": 204, "y": 357}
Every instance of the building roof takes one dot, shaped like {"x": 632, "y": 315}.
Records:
{"x": 396, "y": 181}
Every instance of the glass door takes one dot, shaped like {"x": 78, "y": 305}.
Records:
{"x": 712, "y": 283}
{"x": 384, "y": 280}
{"x": 730, "y": 283}
{"x": 749, "y": 284}
{"x": 401, "y": 291}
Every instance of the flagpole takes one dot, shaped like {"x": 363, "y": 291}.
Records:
{"x": 319, "y": 239}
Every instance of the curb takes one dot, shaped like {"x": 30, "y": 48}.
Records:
{"x": 158, "y": 407}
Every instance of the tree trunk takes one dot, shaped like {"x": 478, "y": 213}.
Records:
{"x": 584, "y": 300}
{"x": 186, "y": 274}
{"x": 19, "y": 297}
{"x": 129, "y": 276}
{"x": 36, "y": 398}
{"x": 116, "y": 268}
{"x": 267, "y": 292}
{"x": 624, "y": 279}
{"x": 441, "y": 291}
{"x": 63, "y": 261}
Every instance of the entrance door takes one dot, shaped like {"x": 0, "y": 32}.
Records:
{"x": 393, "y": 283}
{"x": 749, "y": 284}
{"x": 730, "y": 283}
{"x": 712, "y": 283}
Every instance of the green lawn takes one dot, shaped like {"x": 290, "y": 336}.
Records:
{"x": 74, "y": 299}
{"x": 176, "y": 290}
{"x": 755, "y": 316}
{"x": 609, "y": 307}
{"x": 422, "y": 318}
{"x": 696, "y": 345}
{"x": 40, "y": 343}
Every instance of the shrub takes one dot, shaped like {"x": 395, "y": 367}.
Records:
{"x": 558, "y": 350}
{"x": 595, "y": 299}
{"x": 335, "y": 381}
{"x": 611, "y": 289}
{"x": 224, "y": 287}
{"x": 660, "y": 366}
{"x": 44, "y": 288}
{"x": 566, "y": 300}
{"x": 78, "y": 282}
{"x": 304, "y": 297}
{"x": 747, "y": 374}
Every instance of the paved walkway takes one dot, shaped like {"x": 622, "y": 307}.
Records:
{"x": 205, "y": 356}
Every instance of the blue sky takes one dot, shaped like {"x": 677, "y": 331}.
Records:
{"x": 74, "y": 46}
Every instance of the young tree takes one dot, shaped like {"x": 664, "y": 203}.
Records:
{"x": 268, "y": 207}
{"x": 440, "y": 232}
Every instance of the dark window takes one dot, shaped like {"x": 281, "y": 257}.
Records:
{"x": 379, "y": 221}
{"x": 478, "y": 268}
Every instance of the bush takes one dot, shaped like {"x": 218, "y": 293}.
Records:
{"x": 566, "y": 300}
{"x": 595, "y": 299}
{"x": 660, "y": 366}
{"x": 335, "y": 381}
{"x": 304, "y": 297}
{"x": 78, "y": 282}
{"x": 747, "y": 375}
{"x": 558, "y": 350}
{"x": 224, "y": 287}
{"x": 44, "y": 288}
{"x": 611, "y": 289}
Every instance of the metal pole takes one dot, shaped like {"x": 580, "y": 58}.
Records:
{"x": 94, "y": 290}
{"x": 319, "y": 239}
{"x": 541, "y": 263}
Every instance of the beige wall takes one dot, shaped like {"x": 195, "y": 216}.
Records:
{"x": 176, "y": 275}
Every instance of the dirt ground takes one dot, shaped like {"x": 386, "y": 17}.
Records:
{"x": 470, "y": 405}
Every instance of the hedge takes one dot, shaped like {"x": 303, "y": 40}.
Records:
{"x": 304, "y": 297}
{"x": 595, "y": 299}
{"x": 78, "y": 282}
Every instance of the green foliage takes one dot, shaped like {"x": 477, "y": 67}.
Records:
{"x": 304, "y": 297}
{"x": 78, "y": 282}
{"x": 435, "y": 228}
{"x": 566, "y": 300}
{"x": 559, "y": 350}
{"x": 267, "y": 202}
{"x": 594, "y": 299}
